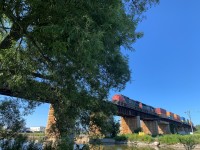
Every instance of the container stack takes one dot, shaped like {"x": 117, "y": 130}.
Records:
{"x": 161, "y": 112}
{"x": 177, "y": 117}
{"x": 170, "y": 115}
{"x": 183, "y": 119}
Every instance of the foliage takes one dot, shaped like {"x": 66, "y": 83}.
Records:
{"x": 18, "y": 143}
{"x": 109, "y": 126}
{"x": 189, "y": 141}
{"x": 67, "y": 53}
{"x": 121, "y": 138}
{"x": 169, "y": 139}
{"x": 197, "y": 129}
{"x": 10, "y": 119}
{"x": 134, "y": 137}
{"x": 175, "y": 138}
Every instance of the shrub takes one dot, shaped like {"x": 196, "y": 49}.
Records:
{"x": 189, "y": 141}
{"x": 19, "y": 143}
{"x": 138, "y": 130}
{"x": 121, "y": 138}
{"x": 169, "y": 139}
{"x": 134, "y": 137}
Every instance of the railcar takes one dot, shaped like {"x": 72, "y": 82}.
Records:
{"x": 161, "y": 112}
{"x": 130, "y": 103}
{"x": 137, "y": 105}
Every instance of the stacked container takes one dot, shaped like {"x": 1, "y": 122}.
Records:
{"x": 177, "y": 117}
{"x": 161, "y": 112}
{"x": 183, "y": 119}
{"x": 170, "y": 115}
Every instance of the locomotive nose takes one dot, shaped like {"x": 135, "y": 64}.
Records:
{"x": 118, "y": 97}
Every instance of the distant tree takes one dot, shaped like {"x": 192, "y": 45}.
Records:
{"x": 11, "y": 121}
{"x": 197, "y": 128}
{"x": 67, "y": 52}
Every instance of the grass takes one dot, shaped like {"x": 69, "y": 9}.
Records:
{"x": 35, "y": 136}
{"x": 163, "y": 139}
{"x": 134, "y": 137}
{"x": 169, "y": 139}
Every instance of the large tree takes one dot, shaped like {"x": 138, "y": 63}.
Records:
{"x": 67, "y": 52}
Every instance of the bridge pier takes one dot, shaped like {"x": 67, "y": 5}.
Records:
{"x": 52, "y": 134}
{"x": 129, "y": 124}
{"x": 163, "y": 127}
{"x": 150, "y": 127}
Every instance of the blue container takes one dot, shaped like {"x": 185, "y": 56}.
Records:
{"x": 183, "y": 119}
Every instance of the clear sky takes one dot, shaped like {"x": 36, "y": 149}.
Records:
{"x": 165, "y": 64}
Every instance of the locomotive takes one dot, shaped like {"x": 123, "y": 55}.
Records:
{"x": 125, "y": 101}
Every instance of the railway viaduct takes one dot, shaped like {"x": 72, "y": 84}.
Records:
{"x": 150, "y": 123}
{"x": 132, "y": 120}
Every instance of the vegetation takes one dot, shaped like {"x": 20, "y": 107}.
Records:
{"x": 197, "y": 129}
{"x": 134, "y": 137}
{"x": 67, "y": 53}
{"x": 186, "y": 140}
{"x": 11, "y": 121}
{"x": 189, "y": 141}
{"x": 169, "y": 139}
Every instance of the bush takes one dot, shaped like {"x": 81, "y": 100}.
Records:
{"x": 138, "y": 130}
{"x": 169, "y": 139}
{"x": 19, "y": 143}
{"x": 134, "y": 137}
{"x": 120, "y": 138}
{"x": 189, "y": 141}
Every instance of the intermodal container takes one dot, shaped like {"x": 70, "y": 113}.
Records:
{"x": 170, "y": 115}
{"x": 161, "y": 112}
{"x": 140, "y": 105}
{"x": 183, "y": 119}
{"x": 177, "y": 117}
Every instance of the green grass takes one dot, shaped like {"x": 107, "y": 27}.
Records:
{"x": 134, "y": 137}
{"x": 175, "y": 138}
{"x": 164, "y": 139}
{"x": 35, "y": 136}
{"x": 169, "y": 139}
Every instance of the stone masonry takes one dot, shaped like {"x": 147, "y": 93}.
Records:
{"x": 150, "y": 127}
{"x": 129, "y": 124}
{"x": 51, "y": 135}
{"x": 163, "y": 128}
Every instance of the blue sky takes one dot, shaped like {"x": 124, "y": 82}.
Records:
{"x": 165, "y": 64}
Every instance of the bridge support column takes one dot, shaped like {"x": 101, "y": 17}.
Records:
{"x": 180, "y": 130}
{"x": 186, "y": 130}
{"x": 150, "y": 127}
{"x": 163, "y": 127}
{"x": 49, "y": 132}
{"x": 129, "y": 124}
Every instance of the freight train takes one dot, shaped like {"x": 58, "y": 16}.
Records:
{"x": 125, "y": 101}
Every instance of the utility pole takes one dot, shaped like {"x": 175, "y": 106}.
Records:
{"x": 189, "y": 115}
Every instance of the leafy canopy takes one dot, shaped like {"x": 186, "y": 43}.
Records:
{"x": 67, "y": 52}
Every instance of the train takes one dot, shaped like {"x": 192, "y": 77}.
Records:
{"x": 125, "y": 101}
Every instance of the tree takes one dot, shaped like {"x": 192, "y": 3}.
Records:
{"x": 67, "y": 53}
{"x": 197, "y": 128}
{"x": 11, "y": 121}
